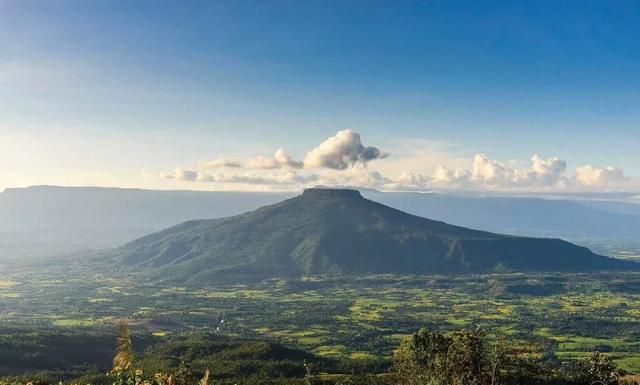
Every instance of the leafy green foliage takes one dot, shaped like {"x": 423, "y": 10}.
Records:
{"x": 434, "y": 358}
{"x": 598, "y": 369}
{"x": 464, "y": 357}
{"x": 461, "y": 357}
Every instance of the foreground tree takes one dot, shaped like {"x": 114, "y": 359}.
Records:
{"x": 466, "y": 364}
{"x": 124, "y": 348}
{"x": 421, "y": 359}
{"x": 510, "y": 364}
{"x": 433, "y": 358}
{"x": 124, "y": 371}
{"x": 464, "y": 358}
{"x": 599, "y": 369}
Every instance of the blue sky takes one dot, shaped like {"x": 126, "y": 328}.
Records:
{"x": 120, "y": 92}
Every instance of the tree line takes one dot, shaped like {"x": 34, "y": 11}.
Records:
{"x": 463, "y": 357}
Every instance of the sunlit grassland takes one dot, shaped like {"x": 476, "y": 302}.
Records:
{"x": 7, "y": 284}
{"x": 5, "y": 289}
{"x": 351, "y": 317}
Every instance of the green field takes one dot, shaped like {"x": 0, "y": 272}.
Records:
{"x": 568, "y": 314}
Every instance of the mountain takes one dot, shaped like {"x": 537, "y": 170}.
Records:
{"x": 42, "y": 221}
{"x": 327, "y": 231}
{"x": 47, "y": 220}
{"x": 523, "y": 215}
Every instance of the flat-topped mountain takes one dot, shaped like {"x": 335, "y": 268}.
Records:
{"x": 43, "y": 221}
{"x": 325, "y": 231}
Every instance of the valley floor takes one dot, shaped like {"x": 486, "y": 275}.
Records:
{"x": 566, "y": 316}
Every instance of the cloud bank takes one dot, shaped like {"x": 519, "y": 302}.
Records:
{"x": 342, "y": 160}
{"x": 543, "y": 173}
{"x": 281, "y": 159}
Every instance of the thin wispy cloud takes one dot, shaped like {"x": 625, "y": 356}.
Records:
{"x": 220, "y": 163}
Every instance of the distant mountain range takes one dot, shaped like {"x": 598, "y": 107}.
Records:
{"x": 49, "y": 220}
{"x": 42, "y": 221}
{"x": 337, "y": 231}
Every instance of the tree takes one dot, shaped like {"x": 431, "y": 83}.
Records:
{"x": 466, "y": 357}
{"x": 308, "y": 374}
{"x": 205, "y": 379}
{"x": 124, "y": 349}
{"x": 599, "y": 369}
{"x": 421, "y": 358}
{"x": 498, "y": 356}
{"x": 460, "y": 358}
{"x": 185, "y": 376}
{"x": 510, "y": 364}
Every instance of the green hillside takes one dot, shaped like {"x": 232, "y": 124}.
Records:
{"x": 326, "y": 231}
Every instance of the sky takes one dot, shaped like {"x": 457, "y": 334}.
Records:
{"x": 279, "y": 95}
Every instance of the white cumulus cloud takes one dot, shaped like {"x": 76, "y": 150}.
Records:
{"x": 354, "y": 177}
{"x": 280, "y": 159}
{"x": 262, "y": 163}
{"x": 342, "y": 160}
{"x": 544, "y": 173}
{"x": 443, "y": 175}
{"x": 286, "y": 160}
{"x": 341, "y": 151}
{"x": 548, "y": 171}
{"x": 413, "y": 179}
{"x": 225, "y": 177}
{"x": 593, "y": 176}
{"x": 490, "y": 171}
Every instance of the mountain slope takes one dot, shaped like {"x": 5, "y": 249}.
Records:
{"x": 338, "y": 231}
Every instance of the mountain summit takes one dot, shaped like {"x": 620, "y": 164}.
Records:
{"x": 332, "y": 231}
